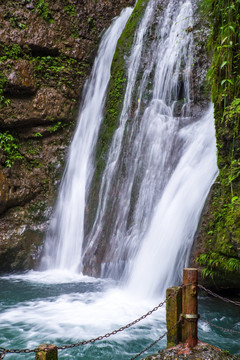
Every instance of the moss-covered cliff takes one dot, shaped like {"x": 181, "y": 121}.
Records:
{"x": 46, "y": 52}
{"x": 219, "y": 235}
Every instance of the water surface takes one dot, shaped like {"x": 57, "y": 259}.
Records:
{"x": 61, "y": 308}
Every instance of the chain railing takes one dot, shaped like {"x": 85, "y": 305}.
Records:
{"x": 220, "y": 327}
{"x": 218, "y": 296}
{"x": 4, "y": 352}
{"x": 156, "y": 341}
{"x": 186, "y": 317}
{"x": 237, "y": 303}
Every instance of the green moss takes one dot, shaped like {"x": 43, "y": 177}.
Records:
{"x": 12, "y": 51}
{"x": 222, "y": 248}
{"x": 44, "y": 11}
{"x": 60, "y": 69}
{"x": 70, "y": 8}
{"x": 117, "y": 86}
{"x": 114, "y": 102}
{"x": 10, "y": 148}
{"x": 57, "y": 126}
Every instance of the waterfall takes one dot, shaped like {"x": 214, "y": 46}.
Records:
{"x": 166, "y": 246}
{"x": 149, "y": 149}
{"x": 160, "y": 164}
{"x": 63, "y": 245}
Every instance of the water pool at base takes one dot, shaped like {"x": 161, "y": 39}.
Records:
{"x": 42, "y": 307}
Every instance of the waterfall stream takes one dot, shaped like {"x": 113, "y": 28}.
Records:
{"x": 161, "y": 157}
{"x": 64, "y": 240}
{"x": 160, "y": 165}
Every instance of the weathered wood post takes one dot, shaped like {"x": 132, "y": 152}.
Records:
{"x": 190, "y": 307}
{"x": 47, "y": 352}
{"x": 173, "y": 311}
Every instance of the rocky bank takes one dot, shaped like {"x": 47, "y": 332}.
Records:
{"x": 200, "y": 352}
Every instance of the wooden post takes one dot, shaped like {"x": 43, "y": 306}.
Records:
{"x": 173, "y": 311}
{"x": 189, "y": 307}
{"x": 47, "y": 352}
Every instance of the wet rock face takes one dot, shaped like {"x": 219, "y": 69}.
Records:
{"x": 19, "y": 78}
{"x": 46, "y": 52}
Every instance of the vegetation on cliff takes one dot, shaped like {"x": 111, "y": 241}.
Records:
{"x": 117, "y": 84}
{"x": 114, "y": 102}
{"x": 46, "y": 52}
{"x": 221, "y": 226}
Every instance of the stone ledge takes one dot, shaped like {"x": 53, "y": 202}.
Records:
{"x": 202, "y": 351}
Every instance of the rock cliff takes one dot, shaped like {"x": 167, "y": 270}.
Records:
{"x": 46, "y": 53}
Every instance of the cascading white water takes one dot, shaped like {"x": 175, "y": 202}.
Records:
{"x": 64, "y": 241}
{"x": 167, "y": 244}
{"x": 158, "y": 140}
{"x": 152, "y": 145}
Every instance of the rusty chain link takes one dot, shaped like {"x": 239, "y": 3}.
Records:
{"x": 156, "y": 341}
{"x": 220, "y": 327}
{"x": 218, "y": 296}
{"x": 4, "y": 351}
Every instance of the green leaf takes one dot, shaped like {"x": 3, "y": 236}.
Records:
{"x": 223, "y": 64}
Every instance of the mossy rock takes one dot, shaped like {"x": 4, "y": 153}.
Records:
{"x": 200, "y": 352}
{"x": 114, "y": 103}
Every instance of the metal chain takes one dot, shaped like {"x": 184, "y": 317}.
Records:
{"x": 4, "y": 351}
{"x": 218, "y": 296}
{"x": 156, "y": 341}
{"x": 221, "y": 328}
{"x": 121, "y": 328}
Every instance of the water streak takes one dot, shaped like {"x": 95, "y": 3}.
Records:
{"x": 148, "y": 147}
{"x": 167, "y": 244}
{"x": 64, "y": 241}
{"x": 160, "y": 153}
